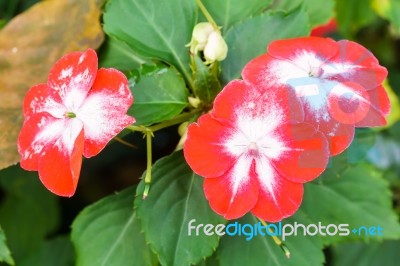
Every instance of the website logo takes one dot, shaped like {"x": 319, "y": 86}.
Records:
{"x": 279, "y": 229}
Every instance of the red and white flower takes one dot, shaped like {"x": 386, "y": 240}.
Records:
{"x": 339, "y": 84}
{"x": 76, "y": 113}
{"x": 253, "y": 156}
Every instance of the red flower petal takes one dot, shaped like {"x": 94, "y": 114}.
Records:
{"x": 306, "y": 156}
{"x": 290, "y": 49}
{"x": 348, "y": 103}
{"x": 60, "y": 163}
{"x": 356, "y": 64}
{"x": 283, "y": 202}
{"x": 202, "y": 156}
{"x": 72, "y": 77}
{"x": 36, "y": 133}
{"x": 103, "y": 112}
{"x": 379, "y": 108}
{"x": 339, "y": 135}
{"x": 240, "y": 97}
{"x": 235, "y": 193}
{"x": 325, "y": 29}
{"x": 41, "y": 98}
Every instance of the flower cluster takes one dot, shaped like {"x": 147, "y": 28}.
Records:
{"x": 76, "y": 113}
{"x": 269, "y": 133}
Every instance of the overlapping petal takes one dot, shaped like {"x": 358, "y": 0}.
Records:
{"x": 337, "y": 84}
{"x": 60, "y": 163}
{"x": 235, "y": 192}
{"x": 249, "y": 150}
{"x": 213, "y": 133}
{"x": 72, "y": 77}
{"x": 282, "y": 203}
{"x": 37, "y": 132}
{"x": 103, "y": 112}
{"x": 306, "y": 154}
{"x": 40, "y": 98}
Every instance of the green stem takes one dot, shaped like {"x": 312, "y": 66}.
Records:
{"x": 207, "y": 15}
{"x": 125, "y": 142}
{"x": 147, "y": 178}
{"x": 277, "y": 241}
{"x": 174, "y": 121}
{"x": 148, "y": 132}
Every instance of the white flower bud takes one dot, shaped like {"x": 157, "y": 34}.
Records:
{"x": 208, "y": 39}
{"x": 216, "y": 48}
{"x": 200, "y": 35}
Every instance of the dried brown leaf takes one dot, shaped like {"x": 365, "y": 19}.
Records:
{"x": 29, "y": 46}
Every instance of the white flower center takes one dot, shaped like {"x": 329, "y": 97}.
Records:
{"x": 255, "y": 141}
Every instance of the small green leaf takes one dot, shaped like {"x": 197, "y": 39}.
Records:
{"x": 108, "y": 233}
{"x": 117, "y": 54}
{"x": 357, "y": 196}
{"x": 228, "y": 12}
{"x": 207, "y": 85}
{"x": 57, "y": 251}
{"x": 5, "y": 254}
{"x": 155, "y": 29}
{"x": 176, "y": 197}
{"x": 262, "y": 250}
{"x": 383, "y": 254}
{"x": 261, "y": 30}
{"x": 28, "y": 213}
{"x": 159, "y": 95}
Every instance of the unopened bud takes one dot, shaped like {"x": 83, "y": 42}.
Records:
{"x": 200, "y": 35}
{"x": 208, "y": 39}
{"x": 216, "y": 48}
{"x": 195, "y": 102}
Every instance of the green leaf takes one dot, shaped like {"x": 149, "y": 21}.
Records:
{"x": 357, "y": 196}
{"x": 228, "y": 12}
{"x": 261, "y": 30}
{"x": 108, "y": 233}
{"x": 319, "y": 12}
{"x": 390, "y": 10}
{"x": 117, "y": 54}
{"x": 286, "y": 5}
{"x": 5, "y": 254}
{"x": 156, "y": 29}
{"x": 383, "y": 254}
{"x": 262, "y": 250}
{"x": 207, "y": 85}
{"x": 364, "y": 140}
{"x": 159, "y": 95}
{"x": 176, "y": 197}
{"x": 352, "y": 15}
{"x": 28, "y": 212}
{"x": 57, "y": 251}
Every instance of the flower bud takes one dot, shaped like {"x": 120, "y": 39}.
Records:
{"x": 216, "y": 48}
{"x": 200, "y": 35}
{"x": 208, "y": 39}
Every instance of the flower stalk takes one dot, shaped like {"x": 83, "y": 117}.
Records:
{"x": 149, "y": 134}
{"x": 277, "y": 240}
{"x": 147, "y": 179}
{"x": 207, "y": 15}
